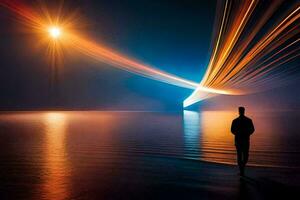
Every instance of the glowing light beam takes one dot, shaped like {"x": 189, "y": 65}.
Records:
{"x": 98, "y": 51}
{"x": 251, "y": 61}
{"x": 242, "y": 61}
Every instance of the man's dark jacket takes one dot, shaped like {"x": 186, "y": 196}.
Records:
{"x": 242, "y": 127}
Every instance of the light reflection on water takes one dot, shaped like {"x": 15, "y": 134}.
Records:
{"x": 191, "y": 126}
{"x": 65, "y": 153}
{"x": 56, "y": 171}
{"x": 274, "y": 143}
{"x": 214, "y": 142}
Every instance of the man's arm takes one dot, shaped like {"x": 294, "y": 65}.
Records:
{"x": 251, "y": 127}
{"x": 233, "y": 127}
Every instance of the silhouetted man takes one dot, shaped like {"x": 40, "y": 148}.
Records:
{"x": 242, "y": 127}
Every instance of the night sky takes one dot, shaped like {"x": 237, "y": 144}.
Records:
{"x": 174, "y": 36}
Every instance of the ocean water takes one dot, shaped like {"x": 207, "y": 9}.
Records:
{"x": 68, "y": 155}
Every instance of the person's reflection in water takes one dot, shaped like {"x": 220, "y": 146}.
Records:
{"x": 242, "y": 127}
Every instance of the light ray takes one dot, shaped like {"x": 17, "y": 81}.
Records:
{"x": 94, "y": 50}
{"x": 241, "y": 60}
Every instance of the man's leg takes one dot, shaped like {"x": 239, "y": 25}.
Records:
{"x": 240, "y": 159}
{"x": 245, "y": 154}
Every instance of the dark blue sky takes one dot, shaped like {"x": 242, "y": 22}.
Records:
{"x": 169, "y": 35}
{"x": 174, "y": 36}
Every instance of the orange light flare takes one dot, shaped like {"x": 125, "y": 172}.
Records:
{"x": 54, "y": 32}
{"x": 29, "y": 17}
{"x": 59, "y": 34}
{"x": 51, "y": 31}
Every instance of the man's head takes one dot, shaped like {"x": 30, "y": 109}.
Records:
{"x": 241, "y": 111}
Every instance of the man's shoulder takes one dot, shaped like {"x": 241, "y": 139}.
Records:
{"x": 244, "y": 118}
{"x": 248, "y": 119}
{"x": 235, "y": 120}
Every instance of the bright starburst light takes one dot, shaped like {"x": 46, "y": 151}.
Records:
{"x": 54, "y": 32}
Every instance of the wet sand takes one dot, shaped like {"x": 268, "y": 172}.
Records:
{"x": 171, "y": 179}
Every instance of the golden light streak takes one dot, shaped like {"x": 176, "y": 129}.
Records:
{"x": 97, "y": 51}
{"x": 233, "y": 35}
{"x": 243, "y": 60}
{"x": 212, "y": 60}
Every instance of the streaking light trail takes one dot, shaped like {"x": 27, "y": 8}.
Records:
{"x": 247, "y": 55}
{"x": 251, "y": 50}
{"x": 97, "y": 51}
{"x": 108, "y": 56}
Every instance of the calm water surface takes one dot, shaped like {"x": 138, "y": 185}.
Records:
{"x": 52, "y": 152}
